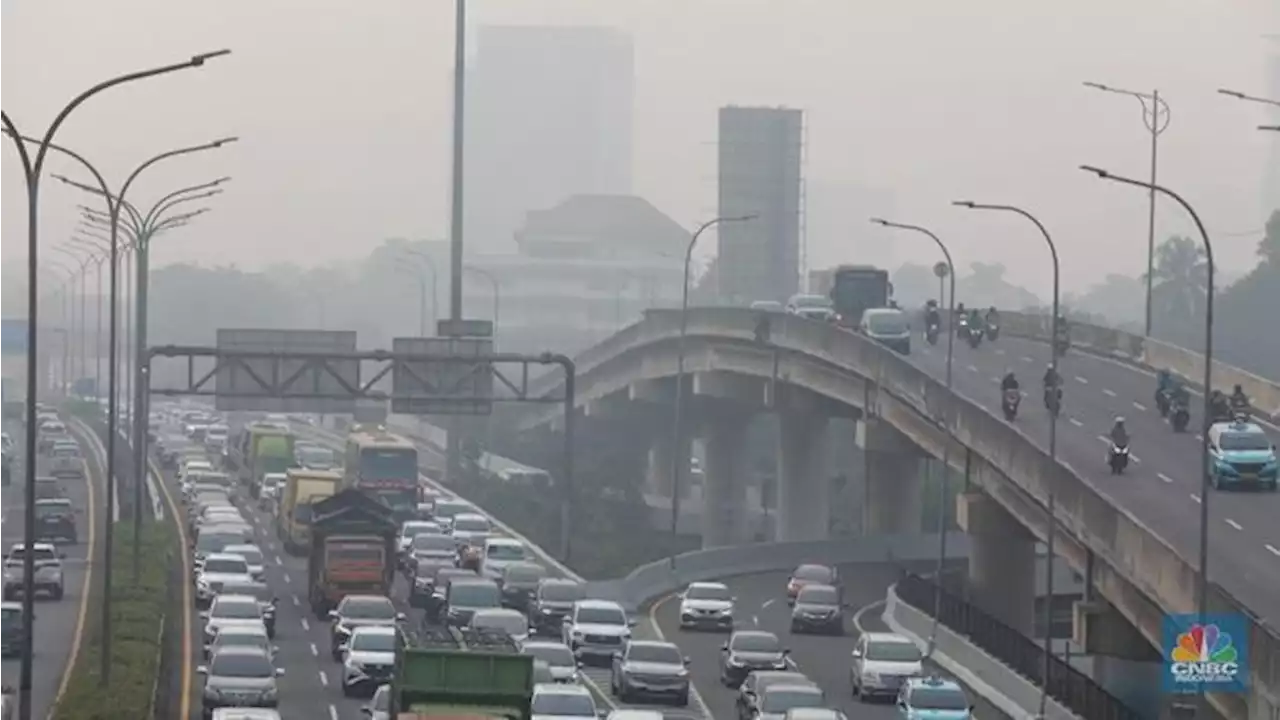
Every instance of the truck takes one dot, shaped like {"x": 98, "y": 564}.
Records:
{"x": 457, "y": 674}
{"x": 352, "y": 552}
{"x": 261, "y": 448}
{"x": 294, "y": 514}
{"x": 857, "y": 288}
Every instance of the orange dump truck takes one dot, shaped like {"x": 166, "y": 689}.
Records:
{"x": 353, "y": 550}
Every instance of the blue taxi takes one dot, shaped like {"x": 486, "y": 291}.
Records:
{"x": 1241, "y": 456}
{"x": 933, "y": 698}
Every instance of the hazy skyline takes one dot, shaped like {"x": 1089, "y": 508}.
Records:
{"x": 344, "y": 113}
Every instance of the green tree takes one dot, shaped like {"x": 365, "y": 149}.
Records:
{"x": 1269, "y": 248}
{"x": 1180, "y": 279}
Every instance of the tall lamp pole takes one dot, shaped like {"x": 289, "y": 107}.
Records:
{"x": 66, "y": 285}
{"x": 422, "y": 296}
{"x": 1254, "y": 99}
{"x": 1051, "y": 502}
{"x": 430, "y": 262}
{"x": 1202, "y": 593}
{"x": 81, "y": 259}
{"x": 678, "y": 463}
{"x": 97, "y": 255}
{"x": 945, "y": 493}
{"x": 1155, "y": 115}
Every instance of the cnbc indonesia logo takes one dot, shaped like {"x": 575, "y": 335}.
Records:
{"x": 1205, "y": 654}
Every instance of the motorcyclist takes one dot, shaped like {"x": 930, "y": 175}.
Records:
{"x": 1220, "y": 405}
{"x": 1009, "y": 382}
{"x": 1164, "y": 381}
{"x": 1179, "y": 396}
{"x": 975, "y": 320}
{"x": 993, "y": 316}
{"x": 1051, "y": 378}
{"x": 1119, "y": 434}
{"x": 1239, "y": 401}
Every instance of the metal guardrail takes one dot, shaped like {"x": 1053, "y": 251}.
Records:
{"x": 1023, "y": 655}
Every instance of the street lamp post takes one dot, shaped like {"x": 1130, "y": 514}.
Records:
{"x": 1051, "y": 501}
{"x": 677, "y": 425}
{"x": 497, "y": 293}
{"x": 1202, "y": 594}
{"x": 81, "y": 259}
{"x": 67, "y": 319}
{"x": 944, "y": 496}
{"x": 97, "y": 255}
{"x": 1254, "y": 99}
{"x": 1155, "y": 116}
{"x": 430, "y": 262}
{"x": 422, "y": 297}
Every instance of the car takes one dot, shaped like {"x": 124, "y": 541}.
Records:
{"x": 706, "y": 605}
{"x": 1241, "y": 456}
{"x": 214, "y": 571}
{"x": 777, "y": 699}
{"x": 356, "y": 611}
{"x": 498, "y": 553}
{"x": 818, "y": 609}
{"x": 379, "y": 706}
{"x": 553, "y": 599}
{"x": 650, "y": 669}
{"x": 808, "y": 574}
{"x": 56, "y": 520}
{"x": 258, "y": 590}
{"x": 211, "y": 539}
{"x": 253, "y": 556}
{"x": 423, "y": 575}
{"x": 557, "y": 656}
{"x": 562, "y": 701}
{"x": 889, "y": 327}
{"x": 814, "y": 307}
{"x": 231, "y": 611}
{"x": 369, "y": 657}
{"x": 511, "y": 622}
{"x": 65, "y": 461}
{"x": 272, "y": 486}
{"x": 470, "y": 528}
{"x": 749, "y": 650}
{"x": 934, "y": 697}
{"x": 239, "y": 677}
{"x": 596, "y": 629}
{"x": 12, "y": 625}
{"x": 464, "y": 596}
{"x": 48, "y": 571}
{"x": 814, "y": 713}
{"x": 446, "y": 508}
{"x": 882, "y": 662}
{"x": 519, "y": 582}
{"x": 49, "y": 488}
{"x": 751, "y": 689}
{"x": 412, "y": 528}
{"x": 432, "y": 547}
{"x": 240, "y": 636}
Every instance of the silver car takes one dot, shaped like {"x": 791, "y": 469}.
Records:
{"x": 596, "y": 629}
{"x": 368, "y": 658}
{"x": 245, "y": 636}
{"x": 217, "y": 569}
{"x": 650, "y": 669}
{"x": 231, "y": 611}
{"x": 239, "y": 677}
{"x": 557, "y": 656}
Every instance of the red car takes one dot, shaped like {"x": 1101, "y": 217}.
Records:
{"x": 810, "y": 575}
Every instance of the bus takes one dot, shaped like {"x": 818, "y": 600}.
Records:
{"x": 855, "y": 288}
{"x": 383, "y": 466}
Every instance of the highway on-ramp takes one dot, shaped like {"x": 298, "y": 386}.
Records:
{"x": 1161, "y": 488}
{"x": 760, "y": 604}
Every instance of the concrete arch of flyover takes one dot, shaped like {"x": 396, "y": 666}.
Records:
{"x": 1138, "y": 571}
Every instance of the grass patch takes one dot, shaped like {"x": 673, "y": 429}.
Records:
{"x": 137, "y": 614}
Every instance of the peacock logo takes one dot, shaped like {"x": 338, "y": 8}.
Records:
{"x": 1204, "y": 644}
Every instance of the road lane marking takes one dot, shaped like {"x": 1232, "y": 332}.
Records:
{"x": 1028, "y": 358}
{"x": 1104, "y": 438}
{"x": 767, "y": 603}
{"x": 86, "y": 587}
{"x": 999, "y": 351}
{"x": 315, "y": 650}
{"x": 1135, "y": 458}
{"x": 324, "y": 679}
{"x": 305, "y": 625}
{"x": 279, "y": 561}
{"x": 755, "y": 620}
{"x": 297, "y": 602}
{"x": 1164, "y": 477}
{"x": 1139, "y": 406}
{"x": 1108, "y": 393}
{"x": 1234, "y": 525}
{"x": 1081, "y": 380}
{"x": 857, "y": 616}
{"x": 1075, "y": 422}
{"x": 286, "y": 576}
{"x": 333, "y": 713}
{"x": 973, "y": 368}
{"x": 1272, "y": 549}
{"x": 1195, "y": 498}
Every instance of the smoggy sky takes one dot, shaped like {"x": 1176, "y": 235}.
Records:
{"x": 344, "y": 113}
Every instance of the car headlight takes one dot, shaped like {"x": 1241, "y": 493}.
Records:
{"x": 343, "y": 630}
{"x": 269, "y": 695}
{"x": 211, "y": 693}
{"x": 734, "y": 661}
{"x": 870, "y": 678}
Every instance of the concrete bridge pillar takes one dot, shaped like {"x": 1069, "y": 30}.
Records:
{"x": 1002, "y": 561}
{"x": 724, "y": 514}
{"x": 1123, "y": 661}
{"x": 661, "y": 455}
{"x": 894, "y": 485}
{"x": 802, "y": 485}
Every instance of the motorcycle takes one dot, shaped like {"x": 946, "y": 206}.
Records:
{"x": 1012, "y": 398}
{"x": 993, "y": 331}
{"x": 1163, "y": 398}
{"x": 1053, "y": 400}
{"x": 962, "y": 328}
{"x": 1180, "y": 417}
{"x": 1062, "y": 344}
{"x": 975, "y": 337}
{"x": 931, "y": 333}
{"x": 1118, "y": 458}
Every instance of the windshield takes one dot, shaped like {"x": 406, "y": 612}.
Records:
{"x": 389, "y": 464}
{"x": 889, "y": 323}
{"x": 226, "y": 566}
{"x": 273, "y": 480}
{"x": 893, "y": 652}
{"x": 434, "y": 542}
{"x": 241, "y": 665}
{"x": 10, "y": 616}
{"x": 470, "y": 523}
{"x": 236, "y": 609}
{"x": 781, "y": 700}
{"x": 857, "y": 290}
{"x": 523, "y": 574}
{"x": 572, "y": 704}
{"x": 645, "y": 652}
{"x": 756, "y": 642}
{"x": 374, "y": 642}
{"x": 938, "y": 699}
{"x": 251, "y": 554}
{"x": 213, "y": 542}
{"x": 551, "y": 654}
{"x": 48, "y": 509}
{"x": 814, "y": 574}
{"x": 316, "y": 457}
{"x": 414, "y": 529}
{"x": 255, "y": 590}
{"x": 41, "y": 553}
{"x": 229, "y": 638}
{"x": 1244, "y": 441}
{"x": 816, "y": 302}
{"x": 473, "y": 595}
{"x": 368, "y": 609}
{"x": 302, "y": 512}
{"x": 66, "y": 451}
{"x": 506, "y": 551}
{"x": 561, "y": 592}
{"x": 511, "y": 624}
{"x": 707, "y": 592}
{"x": 818, "y": 596}
{"x": 601, "y": 616}
{"x": 449, "y": 508}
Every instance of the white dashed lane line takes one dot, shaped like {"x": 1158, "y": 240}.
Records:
{"x": 333, "y": 713}
{"x": 973, "y": 368}
{"x": 1075, "y": 422}
{"x": 1108, "y": 393}
{"x": 324, "y": 679}
{"x": 306, "y": 626}
{"x": 1139, "y": 406}
{"x": 315, "y": 651}
{"x": 1081, "y": 380}
{"x": 1195, "y": 498}
{"x": 1028, "y": 358}
{"x": 1273, "y": 549}
{"x": 1234, "y": 525}
{"x": 1165, "y": 478}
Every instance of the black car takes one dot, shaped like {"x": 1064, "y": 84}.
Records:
{"x": 750, "y": 650}
{"x": 818, "y": 609}
{"x": 519, "y": 583}
{"x": 56, "y": 520}
{"x": 551, "y": 602}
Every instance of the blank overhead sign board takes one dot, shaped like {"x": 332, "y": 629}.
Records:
{"x": 458, "y": 383}
{"x": 316, "y": 385}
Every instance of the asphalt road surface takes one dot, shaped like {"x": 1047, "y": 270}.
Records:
{"x": 57, "y": 623}
{"x": 1162, "y": 486}
{"x": 761, "y": 604}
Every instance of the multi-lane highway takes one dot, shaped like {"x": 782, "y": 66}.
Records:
{"x": 58, "y": 624}
{"x": 1162, "y": 486}
{"x": 761, "y": 604}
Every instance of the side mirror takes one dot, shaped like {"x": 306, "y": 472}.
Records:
{"x": 786, "y": 651}
{"x": 333, "y": 614}
{"x": 566, "y": 620}
{"x": 581, "y": 664}
{"x": 342, "y": 648}
{"x": 279, "y": 672}
{"x": 400, "y": 616}
{"x": 366, "y": 710}
{"x": 204, "y": 614}
{"x": 688, "y": 661}
{"x": 275, "y": 648}
{"x": 724, "y": 647}
{"x": 856, "y": 653}
{"x": 202, "y": 670}
{"x": 631, "y": 622}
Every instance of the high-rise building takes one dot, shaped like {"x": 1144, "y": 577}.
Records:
{"x": 761, "y": 152}
{"x": 549, "y": 115}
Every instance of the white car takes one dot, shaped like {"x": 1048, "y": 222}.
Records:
{"x": 596, "y": 630}
{"x": 369, "y": 658}
{"x": 471, "y": 528}
{"x": 706, "y": 605}
{"x": 882, "y": 662}
{"x": 241, "y": 636}
{"x": 512, "y": 622}
{"x": 231, "y": 611}
{"x": 500, "y": 553}
{"x": 253, "y": 556}
{"x": 413, "y": 528}
{"x": 216, "y": 569}
{"x": 558, "y": 657}
{"x": 560, "y": 701}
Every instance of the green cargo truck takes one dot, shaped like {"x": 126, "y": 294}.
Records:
{"x": 455, "y": 674}
{"x": 261, "y": 449}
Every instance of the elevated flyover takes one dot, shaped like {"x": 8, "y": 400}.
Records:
{"x": 1134, "y": 537}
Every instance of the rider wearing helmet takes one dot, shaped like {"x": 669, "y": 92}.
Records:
{"x": 1009, "y": 382}
{"x": 1051, "y": 378}
{"x": 1239, "y": 401}
{"x": 1119, "y": 435}
{"x": 993, "y": 316}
